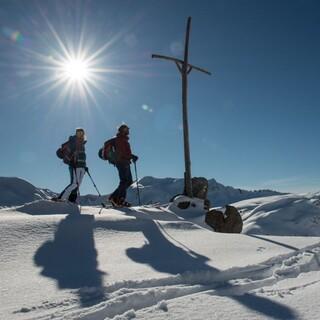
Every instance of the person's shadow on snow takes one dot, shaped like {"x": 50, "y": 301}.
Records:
{"x": 71, "y": 258}
{"x": 164, "y": 256}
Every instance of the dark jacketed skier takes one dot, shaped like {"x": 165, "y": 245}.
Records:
{"x": 73, "y": 154}
{"x": 122, "y": 162}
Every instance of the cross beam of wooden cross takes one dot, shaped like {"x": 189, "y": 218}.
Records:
{"x": 185, "y": 68}
{"x": 180, "y": 63}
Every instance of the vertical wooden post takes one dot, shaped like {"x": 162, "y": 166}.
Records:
{"x": 184, "y": 73}
{"x": 185, "y": 68}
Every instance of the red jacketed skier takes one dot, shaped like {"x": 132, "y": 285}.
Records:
{"x": 123, "y": 161}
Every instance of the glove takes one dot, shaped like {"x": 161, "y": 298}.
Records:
{"x": 134, "y": 158}
{"x": 86, "y": 169}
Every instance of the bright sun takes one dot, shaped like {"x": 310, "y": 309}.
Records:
{"x": 76, "y": 70}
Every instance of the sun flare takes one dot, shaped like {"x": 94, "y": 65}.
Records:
{"x": 75, "y": 70}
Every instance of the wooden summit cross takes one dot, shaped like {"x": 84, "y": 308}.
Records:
{"x": 185, "y": 68}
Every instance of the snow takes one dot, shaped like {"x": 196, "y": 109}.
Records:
{"x": 43, "y": 207}
{"x": 160, "y": 262}
{"x": 163, "y": 189}
{"x": 291, "y": 215}
{"x": 162, "y": 305}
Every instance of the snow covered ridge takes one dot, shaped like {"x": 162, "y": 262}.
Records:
{"x": 16, "y": 191}
{"x": 162, "y": 189}
{"x": 290, "y": 215}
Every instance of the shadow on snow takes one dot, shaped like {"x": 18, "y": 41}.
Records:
{"x": 71, "y": 258}
{"x": 162, "y": 255}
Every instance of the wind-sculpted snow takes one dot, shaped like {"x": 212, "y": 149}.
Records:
{"x": 152, "y": 263}
{"x": 45, "y": 207}
{"x": 290, "y": 215}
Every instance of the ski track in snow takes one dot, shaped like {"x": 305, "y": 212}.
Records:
{"x": 121, "y": 298}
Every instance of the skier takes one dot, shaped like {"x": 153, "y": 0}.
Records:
{"x": 122, "y": 162}
{"x": 73, "y": 153}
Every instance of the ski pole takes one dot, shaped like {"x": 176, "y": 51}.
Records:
{"x": 87, "y": 170}
{"x": 138, "y": 191}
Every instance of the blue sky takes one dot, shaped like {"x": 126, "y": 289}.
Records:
{"x": 253, "y": 124}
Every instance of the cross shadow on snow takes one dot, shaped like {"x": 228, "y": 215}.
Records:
{"x": 71, "y": 259}
{"x": 162, "y": 255}
{"x": 266, "y": 307}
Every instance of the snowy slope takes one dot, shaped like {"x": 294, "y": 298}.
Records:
{"x": 152, "y": 263}
{"x": 290, "y": 215}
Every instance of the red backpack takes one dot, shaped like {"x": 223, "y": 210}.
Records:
{"x": 65, "y": 153}
{"x": 108, "y": 151}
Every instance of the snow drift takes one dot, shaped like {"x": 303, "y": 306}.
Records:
{"x": 44, "y": 207}
{"x": 290, "y": 215}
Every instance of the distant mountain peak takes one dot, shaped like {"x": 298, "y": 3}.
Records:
{"x": 16, "y": 191}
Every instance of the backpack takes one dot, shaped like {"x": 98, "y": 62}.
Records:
{"x": 65, "y": 153}
{"x": 108, "y": 151}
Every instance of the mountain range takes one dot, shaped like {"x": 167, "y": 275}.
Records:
{"x": 15, "y": 191}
